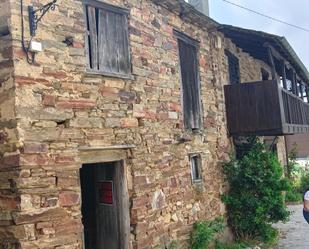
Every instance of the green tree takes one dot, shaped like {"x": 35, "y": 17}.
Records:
{"x": 255, "y": 198}
{"x": 291, "y": 167}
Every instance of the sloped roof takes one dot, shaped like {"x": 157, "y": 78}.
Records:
{"x": 251, "y": 41}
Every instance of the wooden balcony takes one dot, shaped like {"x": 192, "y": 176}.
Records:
{"x": 264, "y": 108}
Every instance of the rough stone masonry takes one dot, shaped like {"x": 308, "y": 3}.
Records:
{"x": 53, "y": 108}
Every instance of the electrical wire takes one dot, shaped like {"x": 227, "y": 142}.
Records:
{"x": 269, "y": 17}
{"x": 30, "y": 57}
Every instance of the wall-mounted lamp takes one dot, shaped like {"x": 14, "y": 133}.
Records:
{"x": 35, "y": 15}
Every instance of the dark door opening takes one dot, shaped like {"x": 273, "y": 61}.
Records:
{"x": 105, "y": 207}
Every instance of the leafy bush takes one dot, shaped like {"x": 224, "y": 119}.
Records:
{"x": 291, "y": 168}
{"x": 298, "y": 178}
{"x": 293, "y": 196}
{"x": 304, "y": 183}
{"x": 255, "y": 198}
{"x": 204, "y": 232}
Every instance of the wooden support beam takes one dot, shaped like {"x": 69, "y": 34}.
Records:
{"x": 279, "y": 57}
{"x": 272, "y": 64}
{"x": 291, "y": 78}
{"x": 294, "y": 83}
{"x": 283, "y": 74}
{"x": 301, "y": 87}
{"x": 307, "y": 93}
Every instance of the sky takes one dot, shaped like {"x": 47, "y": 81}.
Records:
{"x": 291, "y": 11}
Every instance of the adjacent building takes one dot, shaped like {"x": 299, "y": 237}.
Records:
{"x": 113, "y": 135}
{"x": 299, "y": 144}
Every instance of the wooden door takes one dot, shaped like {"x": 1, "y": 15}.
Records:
{"x": 109, "y": 228}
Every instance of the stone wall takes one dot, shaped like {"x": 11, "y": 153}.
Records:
{"x": 60, "y": 108}
{"x": 9, "y": 142}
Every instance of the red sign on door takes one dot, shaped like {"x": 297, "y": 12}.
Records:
{"x": 106, "y": 192}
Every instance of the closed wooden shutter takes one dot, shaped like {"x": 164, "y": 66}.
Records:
{"x": 233, "y": 65}
{"x": 107, "y": 41}
{"x": 190, "y": 85}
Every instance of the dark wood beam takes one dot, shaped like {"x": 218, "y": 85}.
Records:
{"x": 294, "y": 82}
{"x": 307, "y": 93}
{"x": 272, "y": 64}
{"x": 301, "y": 85}
{"x": 283, "y": 74}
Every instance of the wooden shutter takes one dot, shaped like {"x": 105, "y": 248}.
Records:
{"x": 233, "y": 65}
{"x": 190, "y": 85}
{"x": 108, "y": 40}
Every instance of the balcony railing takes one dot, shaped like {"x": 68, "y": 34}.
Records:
{"x": 264, "y": 108}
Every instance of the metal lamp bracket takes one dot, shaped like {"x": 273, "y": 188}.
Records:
{"x": 35, "y": 15}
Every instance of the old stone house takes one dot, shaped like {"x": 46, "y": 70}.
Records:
{"x": 112, "y": 136}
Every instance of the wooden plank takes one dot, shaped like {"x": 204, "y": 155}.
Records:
{"x": 306, "y": 92}
{"x": 272, "y": 63}
{"x": 294, "y": 82}
{"x": 196, "y": 100}
{"x": 124, "y": 48}
{"x": 283, "y": 74}
{"x": 93, "y": 37}
{"x": 107, "y": 7}
{"x": 253, "y": 107}
{"x": 87, "y": 37}
{"x": 282, "y": 110}
{"x": 104, "y": 60}
{"x": 123, "y": 205}
{"x": 112, "y": 43}
{"x": 186, "y": 97}
{"x": 190, "y": 85}
{"x": 107, "y": 215}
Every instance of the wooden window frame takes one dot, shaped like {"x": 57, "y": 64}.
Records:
{"x": 230, "y": 55}
{"x": 192, "y": 42}
{"x": 195, "y": 160}
{"x": 114, "y": 9}
{"x": 264, "y": 73}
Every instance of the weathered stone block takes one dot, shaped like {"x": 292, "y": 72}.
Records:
{"x": 129, "y": 122}
{"x": 42, "y": 215}
{"x": 86, "y": 123}
{"x": 75, "y": 103}
{"x": 31, "y": 148}
{"x": 69, "y": 198}
{"x": 49, "y": 100}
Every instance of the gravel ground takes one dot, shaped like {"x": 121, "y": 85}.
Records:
{"x": 295, "y": 233}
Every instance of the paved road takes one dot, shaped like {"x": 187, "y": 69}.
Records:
{"x": 295, "y": 233}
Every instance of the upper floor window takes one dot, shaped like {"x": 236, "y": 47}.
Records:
{"x": 265, "y": 74}
{"x": 107, "y": 39}
{"x": 190, "y": 81}
{"x": 233, "y": 65}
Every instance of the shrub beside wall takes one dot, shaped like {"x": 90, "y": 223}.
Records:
{"x": 255, "y": 199}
